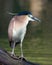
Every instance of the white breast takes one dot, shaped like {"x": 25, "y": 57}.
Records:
{"x": 20, "y": 30}
{"x": 18, "y": 33}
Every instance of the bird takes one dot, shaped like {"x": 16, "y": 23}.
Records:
{"x": 17, "y": 29}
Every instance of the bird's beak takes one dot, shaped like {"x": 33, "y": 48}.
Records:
{"x": 36, "y": 19}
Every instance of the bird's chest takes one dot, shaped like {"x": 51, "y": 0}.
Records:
{"x": 18, "y": 31}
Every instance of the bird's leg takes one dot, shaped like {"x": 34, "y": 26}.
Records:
{"x": 22, "y": 37}
{"x": 13, "y": 47}
{"x": 21, "y": 49}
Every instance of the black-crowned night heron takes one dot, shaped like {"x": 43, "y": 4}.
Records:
{"x": 17, "y": 29}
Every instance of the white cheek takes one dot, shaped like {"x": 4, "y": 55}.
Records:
{"x": 30, "y": 19}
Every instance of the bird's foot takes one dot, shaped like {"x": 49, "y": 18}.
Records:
{"x": 21, "y": 57}
{"x": 12, "y": 54}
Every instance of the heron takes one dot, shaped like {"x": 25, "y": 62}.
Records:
{"x": 17, "y": 29}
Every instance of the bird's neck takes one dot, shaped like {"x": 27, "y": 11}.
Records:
{"x": 24, "y": 20}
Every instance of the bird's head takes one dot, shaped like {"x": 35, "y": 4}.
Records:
{"x": 30, "y": 16}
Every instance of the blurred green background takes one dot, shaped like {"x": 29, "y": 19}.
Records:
{"x": 37, "y": 45}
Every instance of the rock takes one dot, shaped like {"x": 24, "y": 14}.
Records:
{"x": 7, "y": 59}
